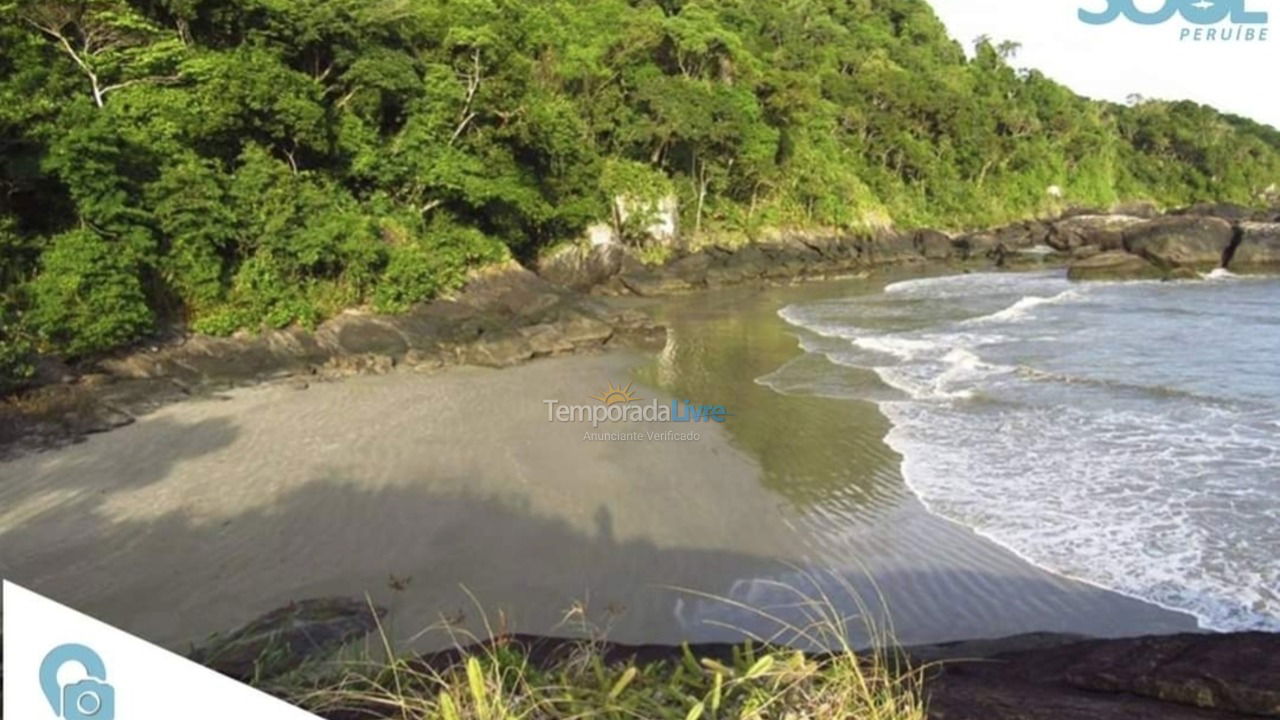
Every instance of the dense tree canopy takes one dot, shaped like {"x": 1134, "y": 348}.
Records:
{"x": 240, "y": 163}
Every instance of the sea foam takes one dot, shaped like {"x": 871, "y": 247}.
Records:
{"x": 1125, "y": 434}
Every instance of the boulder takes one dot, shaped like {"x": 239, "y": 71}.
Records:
{"x": 1236, "y": 673}
{"x": 692, "y": 268}
{"x": 749, "y": 260}
{"x": 975, "y": 246}
{"x": 649, "y": 282}
{"x": 1105, "y": 232}
{"x": 1258, "y": 248}
{"x": 512, "y": 291}
{"x": 889, "y": 247}
{"x": 358, "y": 334}
{"x": 285, "y": 639}
{"x": 498, "y": 351}
{"x": 1188, "y": 677}
{"x": 546, "y": 339}
{"x": 1222, "y": 211}
{"x": 1114, "y": 265}
{"x": 932, "y": 244}
{"x": 1194, "y": 242}
{"x": 1023, "y": 235}
{"x": 581, "y": 268}
{"x": 581, "y": 331}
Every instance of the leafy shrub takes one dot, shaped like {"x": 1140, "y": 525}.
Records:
{"x": 87, "y": 296}
{"x": 419, "y": 269}
{"x": 15, "y": 351}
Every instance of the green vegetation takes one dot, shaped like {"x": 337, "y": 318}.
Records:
{"x": 498, "y": 680}
{"x": 246, "y": 163}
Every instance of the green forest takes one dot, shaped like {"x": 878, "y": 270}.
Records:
{"x": 239, "y": 164}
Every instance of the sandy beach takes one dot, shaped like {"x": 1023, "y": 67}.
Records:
{"x": 425, "y": 490}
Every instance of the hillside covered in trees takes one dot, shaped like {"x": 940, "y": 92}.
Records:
{"x": 245, "y": 163}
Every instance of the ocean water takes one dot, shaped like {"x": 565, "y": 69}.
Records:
{"x": 1123, "y": 434}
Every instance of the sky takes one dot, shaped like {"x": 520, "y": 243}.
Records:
{"x": 1116, "y": 60}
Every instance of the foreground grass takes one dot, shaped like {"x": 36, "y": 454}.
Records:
{"x": 498, "y": 680}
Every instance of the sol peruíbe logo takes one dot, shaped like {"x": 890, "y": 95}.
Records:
{"x": 1208, "y": 20}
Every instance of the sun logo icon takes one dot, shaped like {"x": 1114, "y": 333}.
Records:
{"x": 616, "y": 395}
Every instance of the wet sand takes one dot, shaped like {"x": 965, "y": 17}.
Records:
{"x": 425, "y": 491}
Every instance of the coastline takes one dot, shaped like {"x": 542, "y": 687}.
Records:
{"x": 962, "y": 690}
{"x": 403, "y": 478}
{"x": 574, "y": 300}
{"x": 155, "y": 509}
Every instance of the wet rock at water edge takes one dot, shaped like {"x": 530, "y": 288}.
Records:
{"x": 498, "y": 351}
{"x": 1258, "y": 249}
{"x": 1115, "y": 265}
{"x": 932, "y": 244}
{"x": 1199, "y": 243}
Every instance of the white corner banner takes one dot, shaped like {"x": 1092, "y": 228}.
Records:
{"x": 60, "y": 664}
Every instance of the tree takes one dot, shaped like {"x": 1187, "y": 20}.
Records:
{"x": 113, "y": 45}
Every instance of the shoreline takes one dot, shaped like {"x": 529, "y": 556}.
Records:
{"x": 960, "y": 691}
{"x": 573, "y": 301}
{"x": 490, "y": 476}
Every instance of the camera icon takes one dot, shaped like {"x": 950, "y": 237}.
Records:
{"x": 88, "y": 700}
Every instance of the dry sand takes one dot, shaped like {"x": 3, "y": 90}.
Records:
{"x": 203, "y": 515}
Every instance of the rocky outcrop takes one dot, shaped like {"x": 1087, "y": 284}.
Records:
{"x": 581, "y": 268}
{"x": 1223, "y": 211}
{"x": 1193, "y": 242}
{"x": 1257, "y": 248}
{"x": 1105, "y": 232}
{"x": 932, "y": 244}
{"x": 1130, "y": 242}
{"x": 1034, "y": 677}
{"x": 508, "y": 315}
{"x": 504, "y": 316}
{"x": 1160, "y": 678}
{"x": 1114, "y": 265}
{"x": 285, "y": 639}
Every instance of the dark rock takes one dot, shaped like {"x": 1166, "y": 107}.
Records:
{"x": 583, "y": 331}
{"x": 1188, "y": 677}
{"x": 284, "y": 640}
{"x": 1223, "y": 211}
{"x": 1189, "y": 242}
{"x": 1105, "y": 232}
{"x": 1258, "y": 249}
{"x": 932, "y": 244}
{"x": 139, "y": 397}
{"x": 546, "y": 339}
{"x": 1023, "y": 235}
{"x": 50, "y": 370}
{"x": 1115, "y": 265}
{"x": 93, "y": 417}
{"x": 498, "y": 351}
{"x": 750, "y": 261}
{"x": 654, "y": 283}
{"x": 1238, "y": 672}
{"x": 975, "y": 246}
{"x": 354, "y": 334}
{"x": 888, "y": 247}
{"x": 581, "y": 268}
{"x": 692, "y": 269}
{"x": 512, "y": 291}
